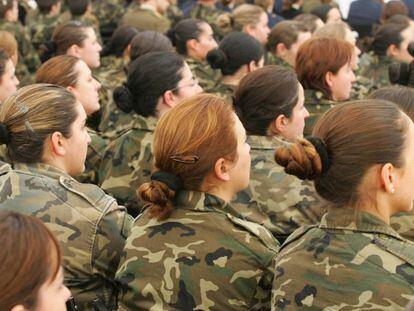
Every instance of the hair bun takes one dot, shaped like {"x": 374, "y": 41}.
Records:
{"x": 47, "y": 50}
{"x": 123, "y": 98}
{"x": 216, "y": 58}
{"x": 172, "y": 35}
{"x": 4, "y": 134}
{"x": 300, "y": 159}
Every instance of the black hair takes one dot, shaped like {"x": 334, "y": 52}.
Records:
{"x": 385, "y": 36}
{"x": 322, "y": 11}
{"x": 119, "y": 41}
{"x": 235, "y": 50}
{"x": 149, "y": 77}
{"x": 149, "y": 41}
{"x": 184, "y": 31}
{"x": 78, "y": 7}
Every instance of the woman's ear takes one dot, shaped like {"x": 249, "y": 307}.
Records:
{"x": 169, "y": 98}
{"x": 57, "y": 144}
{"x": 279, "y": 124}
{"x": 392, "y": 50}
{"x": 74, "y": 50}
{"x": 387, "y": 178}
{"x": 329, "y": 78}
{"x": 221, "y": 170}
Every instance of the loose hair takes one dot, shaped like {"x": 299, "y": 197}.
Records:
{"x": 149, "y": 41}
{"x": 59, "y": 70}
{"x": 356, "y": 135}
{"x": 30, "y": 256}
{"x": 119, "y": 41}
{"x": 243, "y": 15}
{"x": 400, "y": 95}
{"x": 263, "y": 95}
{"x": 149, "y": 77}
{"x": 385, "y": 36}
{"x": 234, "y": 51}
{"x": 63, "y": 37}
{"x": 184, "y": 31}
{"x": 201, "y": 126}
{"x": 318, "y": 56}
{"x": 285, "y": 32}
{"x": 32, "y": 114}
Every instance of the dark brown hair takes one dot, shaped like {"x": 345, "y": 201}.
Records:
{"x": 392, "y": 8}
{"x": 59, "y": 70}
{"x": 31, "y": 115}
{"x": 285, "y": 32}
{"x": 318, "y": 56}
{"x": 309, "y": 20}
{"x": 5, "y": 5}
{"x": 357, "y": 135}
{"x": 401, "y": 95}
{"x": 201, "y": 126}
{"x": 30, "y": 256}
{"x": 149, "y": 41}
{"x": 263, "y": 95}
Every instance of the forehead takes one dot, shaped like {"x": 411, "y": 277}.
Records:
{"x": 90, "y": 33}
{"x": 82, "y": 68}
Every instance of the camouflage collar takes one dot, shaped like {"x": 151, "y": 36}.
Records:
{"x": 356, "y": 220}
{"x": 316, "y": 97}
{"x": 144, "y": 123}
{"x": 190, "y": 61}
{"x": 41, "y": 169}
{"x": 264, "y": 142}
{"x": 204, "y": 202}
{"x": 115, "y": 63}
{"x": 380, "y": 59}
{"x": 4, "y": 167}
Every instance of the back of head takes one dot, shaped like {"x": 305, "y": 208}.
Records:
{"x": 149, "y": 41}
{"x": 336, "y": 30}
{"x": 285, "y": 32}
{"x": 235, "y": 50}
{"x": 4, "y": 58}
{"x": 243, "y": 15}
{"x": 30, "y": 257}
{"x": 385, "y": 36}
{"x": 30, "y": 115}
{"x": 120, "y": 40}
{"x": 45, "y": 6}
{"x": 59, "y": 70}
{"x": 149, "y": 77}
{"x": 8, "y": 43}
{"x": 5, "y": 5}
{"x": 400, "y": 95}
{"x": 188, "y": 141}
{"x": 322, "y": 11}
{"x": 403, "y": 20}
{"x": 310, "y": 20}
{"x": 78, "y": 7}
{"x": 391, "y": 8}
{"x": 345, "y": 145}
{"x": 318, "y": 56}
{"x": 263, "y": 95}
{"x": 184, "y": 31}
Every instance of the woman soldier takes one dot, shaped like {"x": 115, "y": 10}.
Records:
{"x": 190, "y": 250}
{"x": 43, "y": 126}
{"x": 270, "y": 104}
{"x": 360, "y": 159}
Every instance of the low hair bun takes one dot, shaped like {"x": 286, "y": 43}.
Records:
{"x": 123, "y": 98}
{"x": 216, "y": 58}
{"x": 4, "y": 134}
{"x": 47, "y": 50}
{"x": 172, "y": 35}
{"x": 300, "y": 159}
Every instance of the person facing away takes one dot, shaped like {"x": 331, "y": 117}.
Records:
{"x": 359, "y": 158}
{"x": 190, "y": 249}
{"x": 43, "y": 126}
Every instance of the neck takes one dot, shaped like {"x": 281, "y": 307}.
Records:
{"x": 222, "y": 194}
{"x": 193, "y": 55}
{"x": 381, "y": 210}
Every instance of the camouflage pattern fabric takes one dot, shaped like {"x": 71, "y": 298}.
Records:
{"x": 114, "y": 121}
{"x": 144, "y": 18}
{"x": 317, "y": 104}
{"x": 272, "y": 59}
{"x": 351, "y": 261}
{"x": 361, "y": 88}
{"x": 4, "y": 156}
{"x": 204, "y": 257}
{"x": 207, "y": 77}
{"x": 174, "y": 14}
{"x": 224, "y": 91}
{"x": 89, "y": 225}
{"x": 375, "y": 69}
{"x": 210, "y": 15}
{"x": 278, "y": 201}
{"x": 403, "y": 223}
{"x": 108, "y": 13}
{"x": 41, "y": 28}
{"x": 127, "y": 162}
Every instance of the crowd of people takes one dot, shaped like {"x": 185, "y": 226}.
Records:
{"x": 206, "y": 155}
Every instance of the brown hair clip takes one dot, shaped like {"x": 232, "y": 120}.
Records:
{"x": 185, "y": 159}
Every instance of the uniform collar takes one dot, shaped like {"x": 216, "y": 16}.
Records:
{"x": 145, "y": 123}
{"x": 264, "y": 142}
{"x": 41, "y": 169}
{"x": 316, "y": 97}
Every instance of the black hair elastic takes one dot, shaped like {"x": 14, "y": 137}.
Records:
{"x": 322, "y": 150}
{"x": 4, "y": 134}
{"x": 172, "y": 181}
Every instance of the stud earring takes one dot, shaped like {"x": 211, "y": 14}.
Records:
{"x": 392, "y": 190}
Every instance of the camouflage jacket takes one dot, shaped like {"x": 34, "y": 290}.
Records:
{"x": 127, "y": 162}
{"x": 203, "y": 257}
{"x": 42, "y": 27}
{"x": 207, "y": 77}
{"x": 403, "y": 223}
{"x": 144, "y": 18}
{"x": 278, "y": 201}
{"x": 4, "y": 156}
{"x": 317, "y": 104}
{"x": 351, "y": 261}
{"x": 209, "y": 15}
{"x": 89, "y": 225}
{"x": 375, "y": 69}
{"x": 174, "y": 14}
{"x": 272, "y": 59}
{"x": 225, "y": 91}
{"x": 109, "y": 13}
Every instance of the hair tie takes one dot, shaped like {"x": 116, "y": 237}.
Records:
{"x": 4, "y": 134}
{"x": 322, "y": 150}
{"x": 173, "y": 182}
{"x": 186, "y": 159}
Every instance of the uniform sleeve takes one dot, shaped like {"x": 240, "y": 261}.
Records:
{"x": 262, "y": 296}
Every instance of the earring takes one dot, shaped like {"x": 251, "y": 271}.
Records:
{"x": 392, "y": 190}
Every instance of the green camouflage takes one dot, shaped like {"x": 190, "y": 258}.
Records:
{"x": 174, "y": 14}
{"x": 144, "y": 18}
{"x": 278, "y": 201}
{"x": 351, "y": 261}
{"x": 317, "y": 104}
{"x": 4, "y": 156}
{"x": 207, "y": 77}
{"x": 375, "y": 69}
{"x": 127, "y": 162}
{"x": 109, "y": 13}
{"x": 361, "y": 88}
{"x": 272, "y": 59}
{"x": 210, "y": 15}
{"x": 41, "y": 28}
{"x": 89, "y": 225}
{"x": 203, "y": 257}
{"x": 224, "y": 91}
{"x": 403, "y": 223}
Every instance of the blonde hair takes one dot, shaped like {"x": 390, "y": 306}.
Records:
{"x": 243, "y": 15}
{"x": 336, "y": 30}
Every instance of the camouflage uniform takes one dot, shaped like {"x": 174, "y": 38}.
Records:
{"x": 89, "y": 225}
{"x": 278, "y": 201}
{"x": 375, "y": 69}
{"x": 145, "y": 18}
{"x": 361, "y": 87}
{"x": 207, "y": 77}
{"x": 174, "y": 14}
{"x": 209, "y": 15}
{"x": 351, "y": 261}
{"x": 42, "y": 27}
{"x": 4, "y": 156}
{"x": 204, "y": 257}
{"x": 317, "y": 104}
{"x": 403, "y": 223}
{"x": 272, "y": 59}
{"x": 224, "y": 91}
{"x": 109, "y": 13}
{"x": 127, "y": 162}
